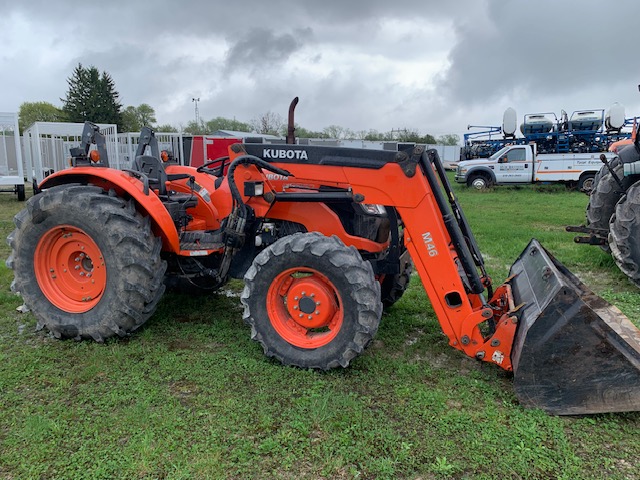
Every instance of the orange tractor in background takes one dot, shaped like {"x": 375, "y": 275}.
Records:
{"x": 324, "y": 238}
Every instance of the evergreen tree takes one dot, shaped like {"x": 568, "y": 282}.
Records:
{"x": 92, "y": 96}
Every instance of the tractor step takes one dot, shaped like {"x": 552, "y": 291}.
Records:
{"x": 201, "y": 240}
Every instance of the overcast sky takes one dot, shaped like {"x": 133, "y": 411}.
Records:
{"x": 430, "y": 65}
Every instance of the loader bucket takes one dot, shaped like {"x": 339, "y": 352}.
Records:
{"x": 573, "y": 352}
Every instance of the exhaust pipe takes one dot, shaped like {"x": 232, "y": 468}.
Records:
{"x": 573, "y": 352}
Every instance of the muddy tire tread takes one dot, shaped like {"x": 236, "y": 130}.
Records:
{"x": 135, "y": 270}
{"x": 624, "y": 234}
{"x": 362, "y": 306}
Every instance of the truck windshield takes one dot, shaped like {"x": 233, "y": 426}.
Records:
{"x": 499, "y": 153}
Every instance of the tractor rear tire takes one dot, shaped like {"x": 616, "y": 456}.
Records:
{"x": 311, "y": 301}
{"x": 86, "y": 263}
{"x": 603, "y": 200}
{"x": 613, "y": 164}
{"x": 624, "y": 234}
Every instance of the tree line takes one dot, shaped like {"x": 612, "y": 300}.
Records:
{"x": 92, "y": 96}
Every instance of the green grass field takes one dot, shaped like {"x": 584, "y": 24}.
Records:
{"x": 191, "y": 396}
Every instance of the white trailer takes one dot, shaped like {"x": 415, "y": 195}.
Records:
{"x": 11, "y": 169}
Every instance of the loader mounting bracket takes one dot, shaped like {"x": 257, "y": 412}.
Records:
{"x": 409, "y": 162}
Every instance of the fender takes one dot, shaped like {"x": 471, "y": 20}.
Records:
{"x": 121, "y": 182}
{"x": 481, "y": 169}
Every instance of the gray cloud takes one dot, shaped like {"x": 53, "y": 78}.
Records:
{"x": 542, "y": 48}
{"x": 261, "y": 48}
{"x": 425, "y": 64}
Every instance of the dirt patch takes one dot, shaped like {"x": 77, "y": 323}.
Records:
{"x": 184, "y": 391}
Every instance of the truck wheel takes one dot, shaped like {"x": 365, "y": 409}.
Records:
{"x": 86, "y": 262}
{"x": 393, "y": 286}
{"x": 586, "y": 182}
{"x": 624, "y": 233}
{"x": 603, "y": 200}
{"x": 479, "y": 182}
{"x": 311, "y": 301}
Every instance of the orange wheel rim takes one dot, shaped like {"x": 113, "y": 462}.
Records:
{"x": 304, "y": 308}
{"x": 70, "y": 269}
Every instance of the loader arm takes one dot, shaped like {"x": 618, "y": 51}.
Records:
{"x": 437, "y": 237}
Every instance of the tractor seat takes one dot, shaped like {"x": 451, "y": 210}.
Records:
{"x": 154, "y": 170}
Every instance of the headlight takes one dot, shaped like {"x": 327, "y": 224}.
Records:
{"x": 372, "y": 209}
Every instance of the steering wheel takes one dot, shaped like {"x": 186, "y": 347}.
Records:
{"x": 204, "y": 167}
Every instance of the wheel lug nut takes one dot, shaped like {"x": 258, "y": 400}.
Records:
{"x": 317, "y": 303}
{"x": 77, "y": 267}
{"x": 77, "y": 259}
{"x": 295, "y": 307}
{"x": 317, "y": 312}
{"x": 301, "y": 315}
{"x": 296, "y": 298}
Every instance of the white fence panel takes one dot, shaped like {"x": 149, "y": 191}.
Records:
{"x": 169, "y": 141}
{"x": 47, "y": 146}
{"x": 11, "y": 169}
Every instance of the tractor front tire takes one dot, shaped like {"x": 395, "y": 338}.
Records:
{"x": 311, "y": 301}
{"x": 86, "y": 263}
{"x": 624, "y": 234}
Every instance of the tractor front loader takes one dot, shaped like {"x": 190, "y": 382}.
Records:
{"x": 324, "y": 239}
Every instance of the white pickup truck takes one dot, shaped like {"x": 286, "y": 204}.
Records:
{"x": 520, "y": 164}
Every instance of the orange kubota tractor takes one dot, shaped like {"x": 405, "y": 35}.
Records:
{"x": 324, "y": 238}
